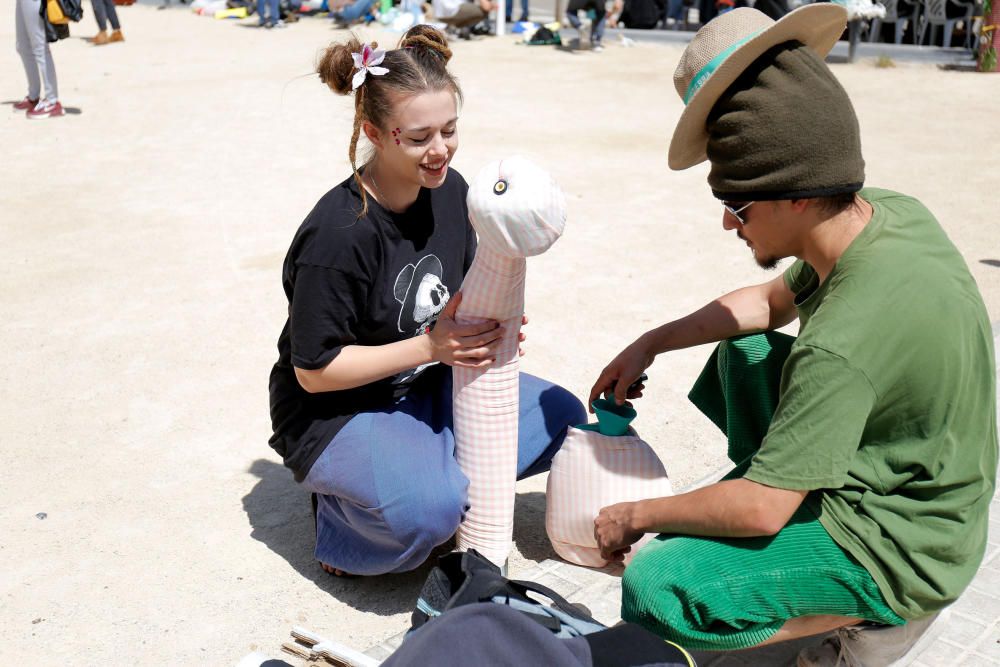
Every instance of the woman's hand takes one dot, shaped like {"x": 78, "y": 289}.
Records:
{"x": 622, "y": 372}
{"x": 615, "y": 532}
{"x": 469, "y": 345}
{"x": 521, "y": 337}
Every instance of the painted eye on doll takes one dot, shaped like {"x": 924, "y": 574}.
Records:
{"x": 500, "y": 187}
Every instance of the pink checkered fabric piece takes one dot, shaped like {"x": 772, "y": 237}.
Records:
{"x": 486, "y": 406}
{"x": 592, "y": 471}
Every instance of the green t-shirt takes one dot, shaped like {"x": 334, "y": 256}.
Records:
{"x": 887, "y": 411}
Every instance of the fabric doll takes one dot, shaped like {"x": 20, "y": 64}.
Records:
{"x": 518, "y": 211}
{"x": 599, "y": 465}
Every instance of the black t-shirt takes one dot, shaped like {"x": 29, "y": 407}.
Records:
{"x": 371, "y": 281}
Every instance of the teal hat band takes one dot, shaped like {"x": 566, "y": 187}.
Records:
{"x": 705, "y": 72}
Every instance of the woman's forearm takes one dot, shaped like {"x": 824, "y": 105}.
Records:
{"x": 358, "y": 365}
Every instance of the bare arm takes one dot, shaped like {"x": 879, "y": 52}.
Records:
{"x": 733, "y": 508}
{"x": 449, "y": 343}
{"x": 747, "y": 310}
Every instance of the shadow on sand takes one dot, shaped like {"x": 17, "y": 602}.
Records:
{"x": 529, "y": 527}
{"x": 279, "y": 512}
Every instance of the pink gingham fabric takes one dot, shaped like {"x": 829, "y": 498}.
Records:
{"x": 592, "y": 471}
{"x": 523, "y": 218}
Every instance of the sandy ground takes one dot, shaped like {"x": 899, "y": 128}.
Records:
{"x": 140, "y": 250}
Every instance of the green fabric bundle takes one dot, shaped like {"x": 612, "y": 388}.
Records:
{"x": 785, "y": 129}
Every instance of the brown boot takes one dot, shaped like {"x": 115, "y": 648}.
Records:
{"x": 117, "y": 36}
{"x": 100, "y": 38}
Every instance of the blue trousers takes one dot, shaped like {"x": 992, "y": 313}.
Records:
{"x": 389, "y": 487}
{"x": 354, "y": 11}
{"x": 271, "y": 5}
{"x": 510, "y": 10}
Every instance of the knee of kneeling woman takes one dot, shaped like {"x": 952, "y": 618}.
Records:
{"x": 559, "y": 401}
{"x": 429, "y": 519}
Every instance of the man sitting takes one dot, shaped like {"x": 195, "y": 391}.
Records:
{"x": 866, "y": 448}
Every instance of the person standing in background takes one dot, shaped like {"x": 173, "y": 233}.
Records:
{"x": 104, "y": 11}
{"x": 597, "y": 26}
{"x": 37, "y": 58}
{"x": 274, "y": 21}
{"x": 510, "y": 11}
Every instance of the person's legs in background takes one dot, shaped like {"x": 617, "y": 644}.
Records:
{"x": 116, "y": 26}
{"x": 353, "y": 12}
{"x": 41, "y": 60}
{"x": 101, "y": 16}
{"x": 23, "y": 45}
{"x": 510, "y": 10}
{"x": 597, "y": 31}
{"x": 269, "y": 14}
{"x": 468, "y": 15}
{"x": 675, "y": 11}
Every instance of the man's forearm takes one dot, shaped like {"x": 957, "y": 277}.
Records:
{"x": 733, "y": 508}
{"x": 739, "y": 312}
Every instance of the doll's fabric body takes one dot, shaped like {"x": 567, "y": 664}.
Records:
{"x": 589, "y": 472}
{"x": 517, "y": 211}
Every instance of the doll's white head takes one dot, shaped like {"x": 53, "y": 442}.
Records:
{"x": 516, "y": 207}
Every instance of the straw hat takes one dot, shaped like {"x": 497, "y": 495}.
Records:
{"x": 727, "y": 45}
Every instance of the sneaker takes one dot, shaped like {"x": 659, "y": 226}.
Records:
{"x": 100, "y": 39}
{"x": 46, "y": 110}
{"x": 116, "y": 36}
{"x": 25, "y": 104}
{"x": 279, "y": 24}
{"x": 868, "y": 645}
{"x": 597, "y": 48}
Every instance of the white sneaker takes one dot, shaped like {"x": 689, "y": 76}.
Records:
{"x": 872, "y": 646}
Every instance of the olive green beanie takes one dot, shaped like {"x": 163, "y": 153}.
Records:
{"x": 785, "y": 129}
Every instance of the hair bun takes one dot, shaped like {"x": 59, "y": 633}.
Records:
{"x": 423, "y": 36}
{"x": 336, "y": 66}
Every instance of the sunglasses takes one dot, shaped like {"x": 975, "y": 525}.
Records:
{"x": 737, "y": 207}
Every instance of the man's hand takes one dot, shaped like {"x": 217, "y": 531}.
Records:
{"x": 615, "y": 532}
{"x": 470, "y": 345}
{"x": 622, "y": 372}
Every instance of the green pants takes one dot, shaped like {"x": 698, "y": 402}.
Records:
{"x": 709, "y": 593}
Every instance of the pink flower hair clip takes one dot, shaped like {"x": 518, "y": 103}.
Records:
{"x": 367, "y": 61}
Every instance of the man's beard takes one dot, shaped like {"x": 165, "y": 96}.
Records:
{"x": 767, "y": 263}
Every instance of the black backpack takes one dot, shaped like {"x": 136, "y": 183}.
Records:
{"x": 462, "y": 579}
{"x": 468, "y": 578}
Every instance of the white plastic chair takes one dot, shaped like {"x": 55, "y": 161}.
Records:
{"x": 935, "y": 14}
{"x": 892, "y": 16}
